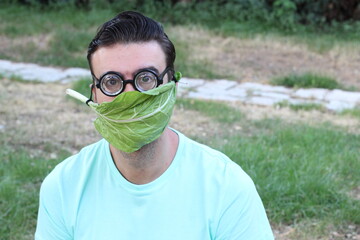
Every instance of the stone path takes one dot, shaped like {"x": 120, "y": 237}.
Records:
{"x": 267, "y": 95}
{"x": 34, "y": 72}
{"x": 225, "y": 90}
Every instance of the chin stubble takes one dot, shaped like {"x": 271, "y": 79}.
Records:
{"x": 144, "y": 156}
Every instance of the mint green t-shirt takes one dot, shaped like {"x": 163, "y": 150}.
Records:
{"x": 202, "y": 195}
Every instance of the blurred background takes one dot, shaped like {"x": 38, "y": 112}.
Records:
{"x": 304, "y": 159}
{"x": 242, "y": 40}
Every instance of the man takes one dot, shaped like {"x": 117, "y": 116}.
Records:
{"x": 144, "y": 180}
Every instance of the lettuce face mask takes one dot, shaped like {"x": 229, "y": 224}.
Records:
{"x": 133, "y": 119}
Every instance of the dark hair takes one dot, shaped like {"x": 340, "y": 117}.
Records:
{"x": 132, "y": 27}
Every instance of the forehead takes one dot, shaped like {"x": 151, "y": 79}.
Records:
{"x": 128, "y": 58}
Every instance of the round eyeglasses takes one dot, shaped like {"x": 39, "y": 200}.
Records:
{"x": 112, "y": 83}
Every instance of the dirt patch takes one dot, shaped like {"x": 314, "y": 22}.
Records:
{"x": 40, "y": 42}
{"x": 262, "y": 58}
{"x": 25, "y": 48}
{"x": 245, "y": 60}
{"x": 37, "y": 115}
{"x": 355, "y": 193}
{"x": 313, "y": 118}
{"x": 313, "y": 230}
{"x": 200, "y": 125}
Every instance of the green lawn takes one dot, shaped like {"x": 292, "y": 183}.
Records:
{"x": 306, "y": 175}
{"x": 21, "y": 174}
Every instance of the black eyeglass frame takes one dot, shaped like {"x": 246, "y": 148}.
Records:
{"x": 159, "y": 80}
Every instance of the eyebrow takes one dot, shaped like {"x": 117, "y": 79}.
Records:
{"x": 154, "y": 69}
{"x": 147, "y": 68}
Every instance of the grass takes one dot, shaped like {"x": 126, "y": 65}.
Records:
{"x": 352, "y": 112}
{"x": 301, "y": 106}
{"x": 307, "y": 80}
{"x": 52, "y": 37}
{"x": 17, "y": 78}
{"x": 216, "y": 110}
{"x": 318, "y": 40}
{"x": 81, "y": 86}
{"x": 21, "y": 176}
{"x": 302, "y": 173}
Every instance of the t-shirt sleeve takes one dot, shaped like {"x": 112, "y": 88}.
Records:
{"x": 242, "y": 214}
{"x": 50, "y": 222}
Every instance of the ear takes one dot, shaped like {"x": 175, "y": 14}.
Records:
{"x": 93, "y": 92}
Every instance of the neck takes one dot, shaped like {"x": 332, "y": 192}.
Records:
{"x": 149, "y": 162}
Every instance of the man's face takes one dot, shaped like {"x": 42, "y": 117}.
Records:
{"x": 126, "y": 59}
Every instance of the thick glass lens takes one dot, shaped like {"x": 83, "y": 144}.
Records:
{"x": 145, "y": 81}
{"x": 111, "y": 84}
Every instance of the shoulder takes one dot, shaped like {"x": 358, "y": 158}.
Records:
{"x": 198, "y": 153}
{"x": 62, "y": 189}
{"x": 235, "y": 202}
{"x": 202, "y": 159}
{"x": 195, "y": 149}
{"x": 75, "y": 166}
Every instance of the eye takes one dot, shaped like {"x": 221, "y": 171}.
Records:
{"x": 145, "y": 81}
{"x": 111, "y": 83}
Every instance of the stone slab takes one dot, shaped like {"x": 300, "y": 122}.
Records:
{"x": 5, "y": 65}
{"x": 222, "y": 97}
{"x": 278, "y": 89}
{"x": 340, "y": 95}
{"x": 237, "y": 92}
{"x": 312, "y": 93}
{"x": 339, "y": 106}
{"x": 264, "y": 101}
{"x": 41, "y": 74}
{"x": 275, "y": 96}
{"x": 34, "y": 72}
{"x": 251, "y": 86}
{"x": 182, "y": 91}
{"x": 190, "y": 83}
{"x": 297, "y": 101}
{"x": 218, "y": 85}
{"x": 13, "y": 69}
{"x": 77, "y": 72}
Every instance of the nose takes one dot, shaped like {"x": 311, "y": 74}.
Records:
{"x": 129, "y": 87}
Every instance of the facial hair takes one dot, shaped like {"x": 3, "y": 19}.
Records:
{"x": 143, "y": 157}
